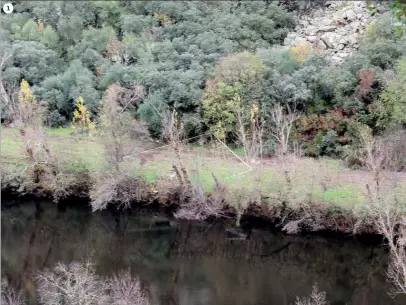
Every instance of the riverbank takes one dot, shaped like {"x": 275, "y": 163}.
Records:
{"x": 301, "y": 195}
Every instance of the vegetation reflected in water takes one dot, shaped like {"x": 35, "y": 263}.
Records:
{"x": 191, "y": 263}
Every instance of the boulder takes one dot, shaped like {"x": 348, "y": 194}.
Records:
{"x": 328, "y": 28}
{"x": 312, "y": 38}
{"x": 355, "y": 25}
{"x": 330, "y": 39}
{"x": 350, "y": 15}
{"x": 310, "y": 30}
{"x": 320, "y": 46}
{"x": 299, "y": 41}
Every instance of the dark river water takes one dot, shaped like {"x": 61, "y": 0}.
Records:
{"x": 189, "y": 263}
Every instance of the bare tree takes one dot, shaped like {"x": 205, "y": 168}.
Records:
{"x": 117, "y": 125}
{"x": 397, "y": 264}
{"x": 8, "y": 92}
{"x": 127, "y": 290}
{"x": 390, "y": 221}
{"x": 174, "y": 133}
{"x": 9, "y": 296}
{"x": 250, "y": 129}
{"x": 373, "y": 154}
{"x": 317, "y": 297}
{"x": 76, "y": 283}
{"x": 281, "y": 121}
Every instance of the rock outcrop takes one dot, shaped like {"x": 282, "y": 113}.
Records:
{"x": 334, "y": 30}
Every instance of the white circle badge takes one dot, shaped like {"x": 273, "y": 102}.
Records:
{"x": 8, "y": 8}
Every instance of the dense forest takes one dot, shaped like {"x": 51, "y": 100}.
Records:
{"x": 195, "y": 58}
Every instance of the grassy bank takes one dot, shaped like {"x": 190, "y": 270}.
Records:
{"x": 315, "y": 191}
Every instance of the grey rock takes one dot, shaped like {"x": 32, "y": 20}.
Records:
{"x": 342, "y": 54}
{"x": 352, "y": 39}
{"x": 330, "y": 39}
{"x": 320, "y": 46}
{"x": 310, "y": 30}
{"x": 312, "y": 38}
{"x": 350, "y": 15}
{"x": 336, "y": 59}
{"x": 328, "y": 28}
{"x": 355, "y": 25}
{"x": 299, "y": 40}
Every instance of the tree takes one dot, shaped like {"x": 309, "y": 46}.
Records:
{"x": 117, "y": 125}
{"x": 280, "y": 125}
{"x": 9, "y": 296}
{"x": 126, "y": 290}
{"x": 389, "y": 219}
{"x": 250, "y": 129}
{"x": 30, "y": 31}
{"x": 81, "y": 122}
{"x": 371, "y": 151}
{"x": 36, "y": 61}
{"x": 174, "y": 133}
{"x": 317, "y": 297}
{"x": 239, "y": 75}
{"x": 62, "y": 90}
{"x": 393, "y": 97}
{"x": 76, "y": 283}
{"x": 30, "y": 122}
{"x": 50, "y": 38}
{"x": 9, "y": 79}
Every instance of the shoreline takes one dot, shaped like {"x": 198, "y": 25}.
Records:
{"x": 333, "y": 224}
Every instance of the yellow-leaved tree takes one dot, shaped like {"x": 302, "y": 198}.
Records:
{"x": 81, "y": 122}
{"x": 30, "y": 123}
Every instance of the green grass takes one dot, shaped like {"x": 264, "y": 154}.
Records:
{"x": 239, "y": 151}
{"x": 309, "y": 177}
{"x": 346, "y": 195}
{"x": 63, "y": 132}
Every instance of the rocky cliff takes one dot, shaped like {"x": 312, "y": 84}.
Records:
{"x": 335, "y": 29}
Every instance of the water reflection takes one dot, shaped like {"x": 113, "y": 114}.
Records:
{"x": 191, "y": 264}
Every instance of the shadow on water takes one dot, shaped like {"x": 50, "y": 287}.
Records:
{"x": 187, "y": 263}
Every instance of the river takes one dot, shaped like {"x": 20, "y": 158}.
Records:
{"x": 186, "y": 263}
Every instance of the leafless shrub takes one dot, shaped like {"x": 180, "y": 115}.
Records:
{"x": 9, "y": 296}
{"x": 76, "y": 283}
{"x": 116, "y": 188}
{"x": 317, "y": 297}
{"x": 126, "y": 290}
{"x": 194, "y": 204}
